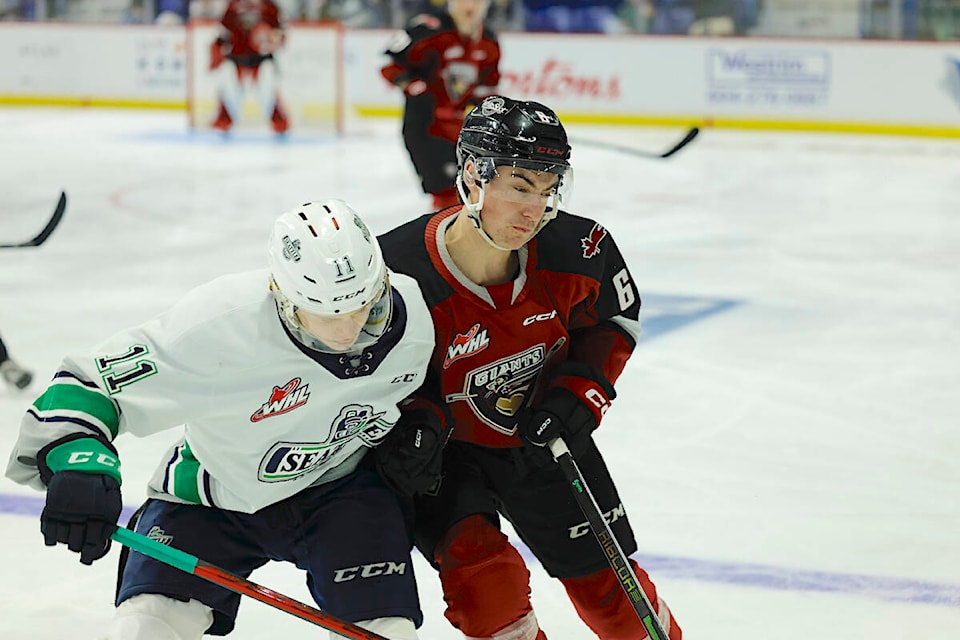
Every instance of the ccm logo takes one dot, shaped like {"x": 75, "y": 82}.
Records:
{"x": 611, "y": 516}
{"x": 348, "y": 296}
{"x": 369, "y": 571}
{"x": 540, "y": 317}
{"x": 550, "y": 151}
{"x": 80, "y": 457}
{"x": 598, "y": 400}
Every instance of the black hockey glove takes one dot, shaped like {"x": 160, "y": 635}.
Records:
{"x": 410, "y": 456}
{"x": 572, "y": 406}
{"x": 83, "y": 505}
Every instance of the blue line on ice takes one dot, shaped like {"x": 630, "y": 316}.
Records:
{"x": 700, "y": 570}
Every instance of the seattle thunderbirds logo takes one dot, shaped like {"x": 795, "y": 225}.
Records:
{"x": 355, "y": 426}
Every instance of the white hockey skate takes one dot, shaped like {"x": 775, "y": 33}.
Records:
{"x": 15, "y": 375}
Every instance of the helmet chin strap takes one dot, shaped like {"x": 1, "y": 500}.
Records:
{"x": 473, "y": 212}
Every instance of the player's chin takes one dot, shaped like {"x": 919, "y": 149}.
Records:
{"x": 517, "y": 239}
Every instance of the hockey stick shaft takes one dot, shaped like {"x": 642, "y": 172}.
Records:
{"x": 684, "y": 141}
{"x": 193, "y": 565}
{"x": 41, "y": 237}
{"x": 611, "y": 548}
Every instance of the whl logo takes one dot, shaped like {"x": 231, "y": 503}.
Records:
{"x": 282, "y": 400}
{"x": 467, "y": 344}
{"x": 591, "y": 244}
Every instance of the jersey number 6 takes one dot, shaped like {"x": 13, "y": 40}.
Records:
{"x": 625, "y": 293}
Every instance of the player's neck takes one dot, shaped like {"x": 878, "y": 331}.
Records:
{"x": 477, "y": 260}
{"x": 469, "y": 31}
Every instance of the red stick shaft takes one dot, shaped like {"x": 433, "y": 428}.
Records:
{"x": 303, "y": 611}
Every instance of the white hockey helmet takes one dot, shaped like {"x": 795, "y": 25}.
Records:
{"x": 324, "y": 260}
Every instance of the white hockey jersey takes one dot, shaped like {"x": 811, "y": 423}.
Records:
{"x": 262, "y": 417}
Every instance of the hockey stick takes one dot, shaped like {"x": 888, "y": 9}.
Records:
{"x": 687, "y": 139}
{"x": 41, "y": 237}
{"x": 193, "y": 565}
{"x": 615, "y": 555}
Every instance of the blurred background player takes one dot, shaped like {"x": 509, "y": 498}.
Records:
{"x": 280, "y": 381}
{"x": 11, "y": 372}
{"x": 445, "y": 63}
{"x": 242, "y": 56}
{"x": 536, "y": 315}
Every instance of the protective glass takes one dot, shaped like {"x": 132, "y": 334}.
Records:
{"x": 342, "y": 333}
{"x": 526, "y": 182}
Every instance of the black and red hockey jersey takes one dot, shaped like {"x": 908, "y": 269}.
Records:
{"x": 574, "y": 298}
{"x": 455, "y": 71}
{"x": 242, "y": 26}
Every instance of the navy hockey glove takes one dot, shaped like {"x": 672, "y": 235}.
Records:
{"x": 571, "y": 408}
{"x": 83, "y": 504}
{"x": 410, "y": 457}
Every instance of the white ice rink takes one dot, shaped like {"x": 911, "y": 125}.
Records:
{"x": 787, "y": 435}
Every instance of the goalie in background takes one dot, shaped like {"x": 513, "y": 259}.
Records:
{"x": 250, "y": 34}
{"x": 445, "y": 63}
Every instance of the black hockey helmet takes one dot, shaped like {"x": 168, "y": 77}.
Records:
{"x": 502, "y": 132}
{"x": 519, "y": 133}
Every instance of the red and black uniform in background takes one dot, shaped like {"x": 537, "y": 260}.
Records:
{"x": 573, "y": 302}
{"x": 250, "y": 32}
{"x": 243, "y": 23}
{"x": 444, "y": 74}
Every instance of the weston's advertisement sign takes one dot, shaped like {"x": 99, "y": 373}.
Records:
{"x": 768, "y": 78}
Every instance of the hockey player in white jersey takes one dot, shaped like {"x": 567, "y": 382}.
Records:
{"x": 280, "y": 380}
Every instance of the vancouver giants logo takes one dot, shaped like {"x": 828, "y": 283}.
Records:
{"x": 591, "y": 244}
{"x": 467, "y": 344}
{"x": 496, "y": 392}
{"x": 291, "y": 460}
{"x": 282, "y": 400}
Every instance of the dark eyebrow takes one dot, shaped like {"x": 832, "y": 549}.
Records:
{"x": 523, "y": 177}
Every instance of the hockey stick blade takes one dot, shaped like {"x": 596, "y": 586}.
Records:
{"x": 639, "y": 153}
{"x": 191, "y": 564}
{"x": 604, "y": 535}
{"x": 687, "y": 139}
{"x": 41, "y": 237}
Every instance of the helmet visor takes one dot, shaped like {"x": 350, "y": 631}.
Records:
{"x": 339, "y": 333}
{"x": 522, "y": 181}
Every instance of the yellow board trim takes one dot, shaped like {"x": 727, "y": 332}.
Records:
{"x": 73, "y": 101}
{"x": 932, "y": 131}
